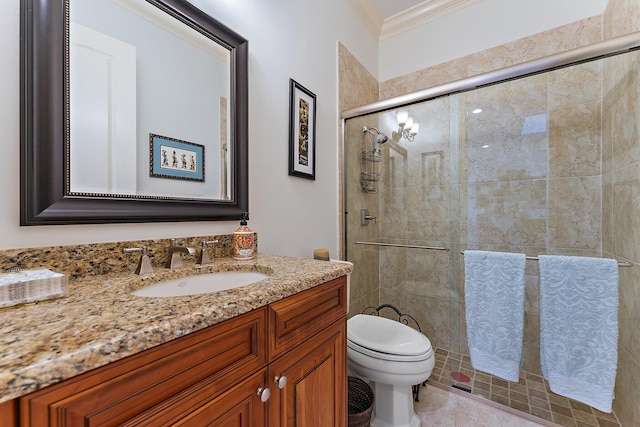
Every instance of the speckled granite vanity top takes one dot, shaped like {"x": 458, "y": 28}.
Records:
{"x": 100, "y": 321}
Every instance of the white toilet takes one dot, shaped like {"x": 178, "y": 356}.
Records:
{"x": 392, "y": 357}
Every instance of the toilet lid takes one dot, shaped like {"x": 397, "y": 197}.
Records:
{"x": 386, "y": 336}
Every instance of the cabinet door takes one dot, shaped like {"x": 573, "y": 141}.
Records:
{"x": 316, "y": 375}
{"x": 9, "y": 413}
{"x": 202, "y": 405}
{"x": 299, "y": 317}
{"x": 117, "y": 392}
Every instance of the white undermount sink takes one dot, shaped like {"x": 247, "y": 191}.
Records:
{"x": 200, "y": 284}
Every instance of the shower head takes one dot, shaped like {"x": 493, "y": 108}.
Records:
{"x": 381, "y": 138}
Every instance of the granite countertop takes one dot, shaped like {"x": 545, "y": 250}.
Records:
{"x": 100, "y": 321}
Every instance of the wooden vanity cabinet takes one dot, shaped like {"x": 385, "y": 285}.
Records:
{"x": 115, "y": 393}
{"x": 315, "y": 392}
{"x": 215, "y": 376}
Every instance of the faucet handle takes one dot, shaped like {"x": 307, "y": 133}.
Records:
{"x": 144, "y": 265}
{"x": 203, "y": 257}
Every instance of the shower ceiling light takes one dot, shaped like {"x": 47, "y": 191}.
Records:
{"x": 402, "y": 117}
{"x": 407, "y": 128}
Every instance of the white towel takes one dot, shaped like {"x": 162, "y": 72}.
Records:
{"x": 579, "y": 327}
{"x": 494, "y": 298}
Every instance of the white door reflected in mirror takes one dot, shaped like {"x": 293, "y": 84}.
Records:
{"x": 103, "y": 113}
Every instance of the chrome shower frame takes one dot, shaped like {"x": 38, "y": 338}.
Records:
{"x": 588, "y": 53}
{"x": 591, "y": 52}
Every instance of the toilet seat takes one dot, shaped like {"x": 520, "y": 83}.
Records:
{"x": 381, "y": 335}
{"x": 389, "y": 356}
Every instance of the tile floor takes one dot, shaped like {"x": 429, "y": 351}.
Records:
{"x": 439, "y": 407}
{"x": 530, "y": 396}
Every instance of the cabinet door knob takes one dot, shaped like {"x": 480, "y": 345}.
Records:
{"x": 264, "y": 394}
{"x": 281, "y": 381}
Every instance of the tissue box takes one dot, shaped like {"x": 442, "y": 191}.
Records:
{"x": 30, "y": 286}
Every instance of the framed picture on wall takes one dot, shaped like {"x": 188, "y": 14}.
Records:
{"x": 302, "y": 131}
{"x": 175, "y": 159}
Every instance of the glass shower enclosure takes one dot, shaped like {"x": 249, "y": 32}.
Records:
{"x": 522, "y": 164}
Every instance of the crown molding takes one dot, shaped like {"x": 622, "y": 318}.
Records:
{"x": 369, "y": 15}
{"x": 406, "y": 20}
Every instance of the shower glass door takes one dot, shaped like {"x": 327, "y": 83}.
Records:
{"x": 401, "y": 229}
{"x": 543, "y": 164}
{"x": 513, "y": 167}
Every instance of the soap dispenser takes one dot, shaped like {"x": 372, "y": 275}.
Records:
{"x": 243, "y": 240}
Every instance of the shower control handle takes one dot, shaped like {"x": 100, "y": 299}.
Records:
{"x": 365, "y": 218}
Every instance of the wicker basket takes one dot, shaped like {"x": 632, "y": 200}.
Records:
{"x": 360, "y": 402}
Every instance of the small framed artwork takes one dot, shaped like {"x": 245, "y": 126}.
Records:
{"x": 302, "y": 132}
{"x": 175, "y": 159}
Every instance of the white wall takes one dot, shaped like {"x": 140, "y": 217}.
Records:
{"x": 293, "y": 39}
{"x": 287, "y": 38}
{"x": 482, "y": 25}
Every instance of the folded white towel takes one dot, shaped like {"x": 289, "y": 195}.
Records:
{"x": 494, "y": 299}
{"x": 579, "y": 327}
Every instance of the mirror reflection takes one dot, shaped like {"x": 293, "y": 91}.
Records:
{"x": 149, "y": 105}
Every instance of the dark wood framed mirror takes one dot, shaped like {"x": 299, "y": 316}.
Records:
{"x": 46, "y": 194}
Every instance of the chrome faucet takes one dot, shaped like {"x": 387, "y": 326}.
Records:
{"x": 174, "y": 259}
{"x": 144, "y": 265}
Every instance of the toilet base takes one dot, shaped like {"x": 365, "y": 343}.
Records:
{"x": 393, "y": 406}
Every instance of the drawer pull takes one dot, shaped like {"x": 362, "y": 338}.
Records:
{"x": 281, "y": 381}
{"x": 264, "y": 394}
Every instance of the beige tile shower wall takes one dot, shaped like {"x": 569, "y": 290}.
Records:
{"x": 503, "y": 182}
{"x": 357, "y": 87}
{"x": 365, "y": 275}
{"x": 622, "y": 185}
{"x": 620, "y": 17}
{"x": 415, "y": 210}
{"x": 581, "y": 33}
{"x": 530, "y": 165}
{"x": 510, "y": 189}
{"x": 364, "y": 279}
{"x": 574, "y": 189}
{"x": 621, "y": 198}
{"x": 512, "y": 197}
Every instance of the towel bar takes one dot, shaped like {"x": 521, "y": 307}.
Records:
{"x": 396, "y": 245}
{"x": 535, "y": 258}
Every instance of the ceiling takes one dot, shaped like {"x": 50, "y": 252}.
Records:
{"x": 387, "y": 18}
{"x": 389, "y": 8}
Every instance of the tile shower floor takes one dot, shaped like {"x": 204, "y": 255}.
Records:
{"x": 531, "y": 396}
